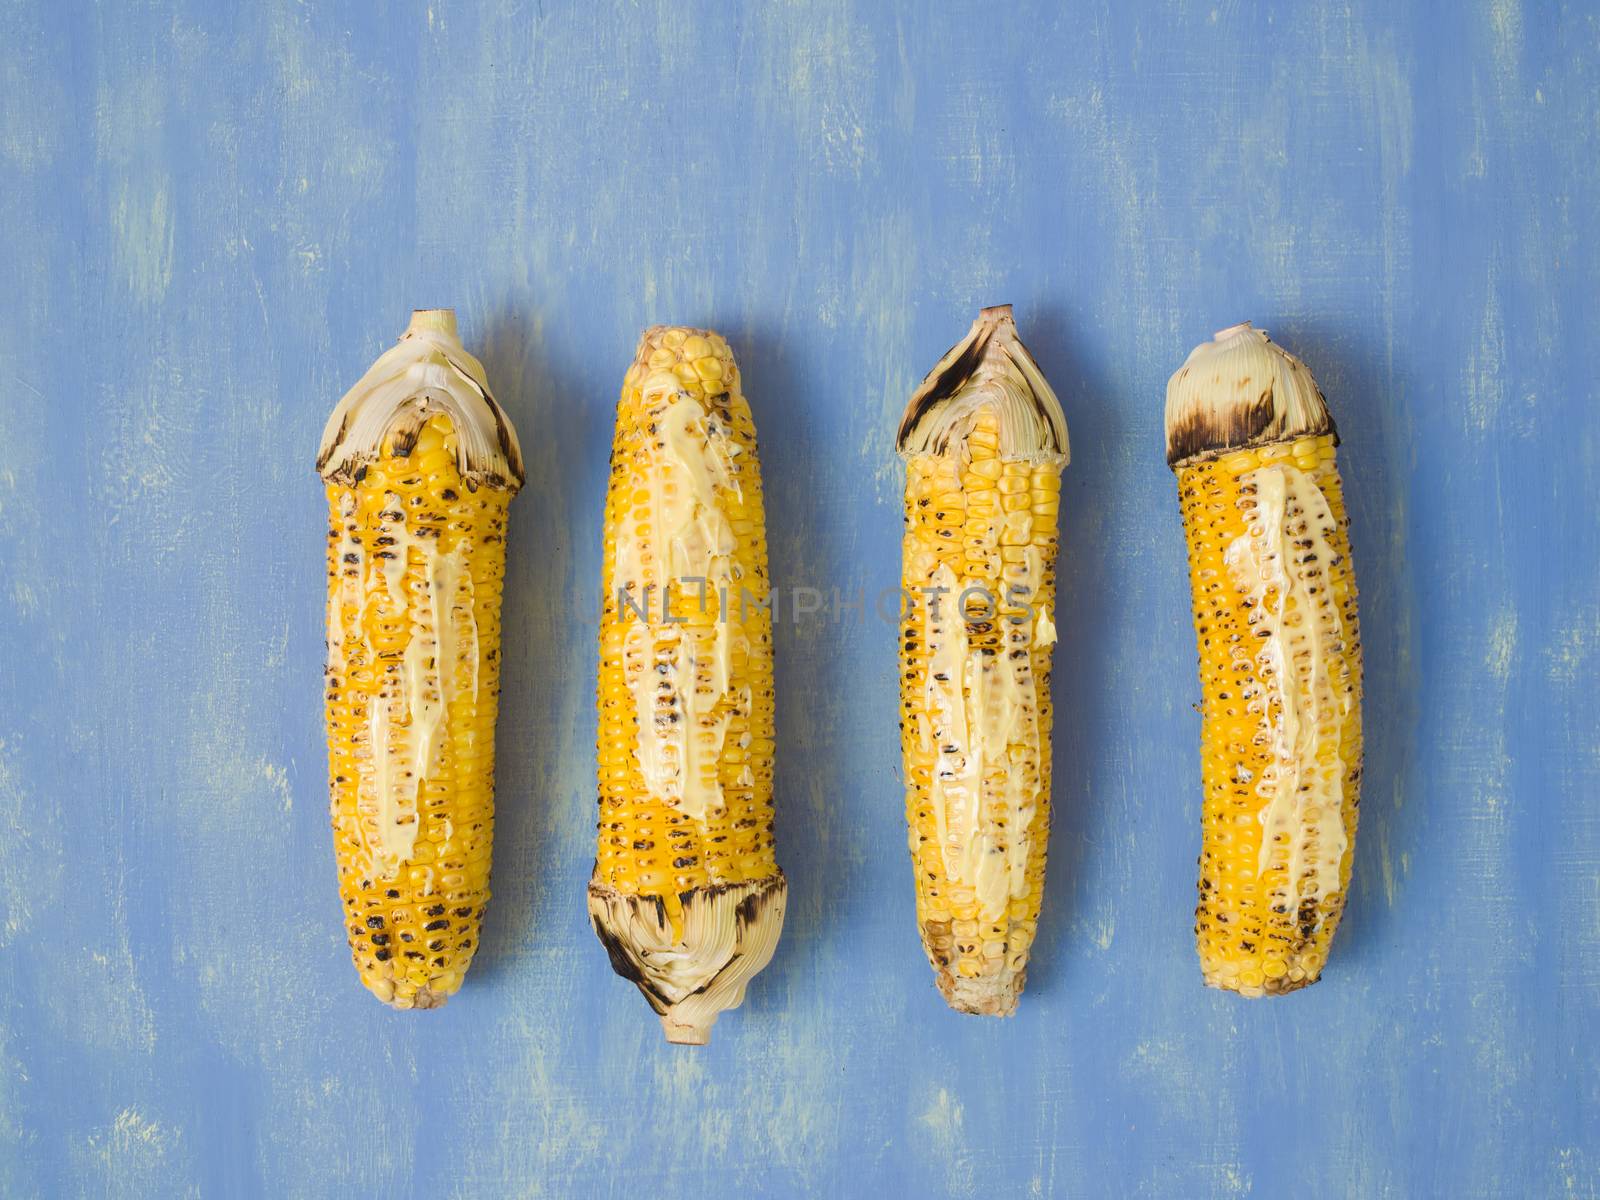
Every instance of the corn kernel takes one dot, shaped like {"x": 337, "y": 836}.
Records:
{"x": 1249, "y": 922}
{"x": 454, "y": 806}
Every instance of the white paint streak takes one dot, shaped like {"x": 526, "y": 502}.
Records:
{"x": 131, "y": 1157}
{"x": 883, "y": 284}
{"x": 943, "y": 1126}
{"x": 142, "y": 236}
{"x": 1502, "y": 647}
{"x": 31, "y": 865}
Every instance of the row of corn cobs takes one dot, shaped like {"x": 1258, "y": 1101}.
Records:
{"x": 421, "y": 463}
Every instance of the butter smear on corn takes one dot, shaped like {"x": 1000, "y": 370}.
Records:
{"x": 984, "y": 441}
{"x": 420, "y": 465}
{"x": 1253, "y": 445}
{"x": 686, "y": 895}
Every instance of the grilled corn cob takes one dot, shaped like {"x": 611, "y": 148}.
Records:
{"x": 1252, "y": 443}
{"x": 420, "y": 465}
{"x": 686, "y": 895}
{"x": 984, "y": 441}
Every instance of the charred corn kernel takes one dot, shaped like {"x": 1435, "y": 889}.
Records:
{"x": 982, "y": 437}
{"x": 420, "y": 465}
{"x": 1252, "y": 443}
{"x": 686, "y": 894}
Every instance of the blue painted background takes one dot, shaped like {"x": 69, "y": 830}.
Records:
{"x": 212, "y": 220}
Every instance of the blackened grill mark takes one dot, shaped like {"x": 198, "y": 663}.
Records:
{"x": 1202, "y": 435}
{"x": 946, "y": 382}
{"x": 1230, "y": 428}
{"x": 403, "y": 432}
{"x": 404, "y": 441}
{"x": 745, "y": 914}
{"x": 712, "y": 982}
{"x": 503, "y": 436}
{"x": 322, "y": 459}
{"x": 622, "y": 963}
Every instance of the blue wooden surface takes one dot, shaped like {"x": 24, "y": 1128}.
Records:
{"x": 215, "y": 216}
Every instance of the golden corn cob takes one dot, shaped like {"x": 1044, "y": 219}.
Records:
{"x": 686, "y": 895}
{"x": 984, "y": 441}
{"x": 1252, "y": 443}
{"x": 420, "y": 465}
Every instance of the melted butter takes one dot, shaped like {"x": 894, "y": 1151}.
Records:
{"x": 1029, "y": 583}
{"x": 981, "y": 724}
{"x": 346, "y": 590}
{"x": 983, "y": 732}
{"x": 700, "y": 463}
{"x": 432, "y": 659}
{"x": 424, "y": 710}
{"x": 1023, "y": 779}
{"x": 721, "y": 657}
{"x": 407, "y": 720}
{"x": 444, "y": 591}
{"x": 955, "y": 781}
{"x": 386, "y": 842}
{"x": 703, "y": 740}
{"x": 394, "y": 566}
{"x": 681, "y": 688}
{"x": 1013, "y": 672}
{"x": 1276, "y": 564}
{"x": 1044, "y": 629}
{"x": 653, "y": 705}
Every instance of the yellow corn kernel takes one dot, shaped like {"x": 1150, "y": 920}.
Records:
{"x": 977, "y": 792}
{"x": 1249, "y": 917}
{"x": 1274, "y": 601}
{"x": 686, "y": 893}
{"x": 416, "y": 556}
